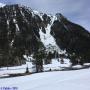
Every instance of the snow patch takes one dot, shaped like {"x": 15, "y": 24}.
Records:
{"x": 48, "y": 40}
{"x": 56, "y": 64}
{"x": 77, "y": 66}
{"x": 17, "y": 27}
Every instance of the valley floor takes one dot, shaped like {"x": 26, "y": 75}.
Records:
{"x": 61, "y": 80}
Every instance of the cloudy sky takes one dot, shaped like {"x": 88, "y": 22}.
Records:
{"x": 75, "y": 10}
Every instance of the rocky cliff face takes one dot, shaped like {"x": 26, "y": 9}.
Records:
{"x": 72, "y": 37}
{"x": 25, "y": 31}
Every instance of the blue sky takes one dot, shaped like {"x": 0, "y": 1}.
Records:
{"x": 75, "y": 10}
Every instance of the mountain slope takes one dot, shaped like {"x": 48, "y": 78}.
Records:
{"x": 72, "y": 37}
{"x": 24, "y": 31}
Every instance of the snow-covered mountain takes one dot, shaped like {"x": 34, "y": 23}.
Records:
{"x": 25, "y": 31}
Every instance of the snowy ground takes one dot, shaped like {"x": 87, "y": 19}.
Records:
{"x": 62, "y": 80}
{"x": 55, "y": 65}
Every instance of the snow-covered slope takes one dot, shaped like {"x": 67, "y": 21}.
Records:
{"x": 48, "y": 40}
{"x": 67, "y": 80}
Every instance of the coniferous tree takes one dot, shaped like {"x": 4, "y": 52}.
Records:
{"x": 39, "y": 58}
